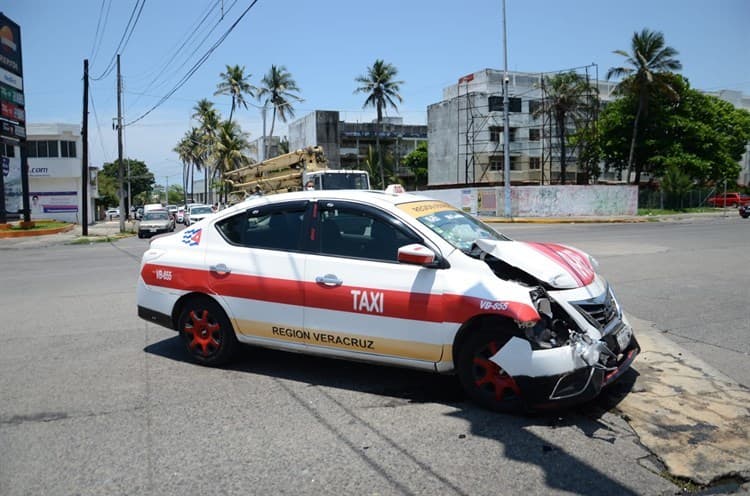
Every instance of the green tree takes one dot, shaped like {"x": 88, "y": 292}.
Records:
{"x": 569, "y": 99}
{"x": 230, "y": 149}
{"x": 703, "y": 136}
{"x": 236, "y": 84}
{"x": 191, "y": 152}
{"x": 647, "y": 63}
{"x": 175, "y": 194}
{"x": 416, "y": 161}
{"x": 279, "y": 89}
{"x": 209, "y": 120}
{"x": 675, "y": 184}
{"x": 141, "y": 180}
{"x": 382, "y": 89}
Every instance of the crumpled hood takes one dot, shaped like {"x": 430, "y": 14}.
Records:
{"x": 560, "y": 266}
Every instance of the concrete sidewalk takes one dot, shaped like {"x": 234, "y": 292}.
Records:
{"x": 96, "y": 232}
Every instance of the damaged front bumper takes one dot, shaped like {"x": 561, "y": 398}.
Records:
{"x": 568, "y": 374}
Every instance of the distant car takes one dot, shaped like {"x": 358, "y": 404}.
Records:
{"x": 745, "y": 211}
{"x": 172, "y": 209}
{"x": 733, "y": 200}
{"x": 180, "y": 215}
{"x": 113, "y": 213}
{"x": 391, "y": 279}
{"x": 155, "y": 222}
{"x": 197, "y": 213}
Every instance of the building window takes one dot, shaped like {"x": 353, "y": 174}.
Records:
{"x": 534, "y": 106}
{"x": 43, "y": 148}
{"x": 535, "y": 163}
{"x": 68, "y": 149}
{"x": 7, "y": 150}
{"x": 495, "y": 103}
{"x": 496, "y": 163}
{"x": 497, "y": 131}
{"x": 534, "y": 134}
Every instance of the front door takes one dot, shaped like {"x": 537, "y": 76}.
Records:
{"x": 358, "y": 298}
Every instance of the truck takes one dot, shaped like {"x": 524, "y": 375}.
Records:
{"x": 291, "y": 172}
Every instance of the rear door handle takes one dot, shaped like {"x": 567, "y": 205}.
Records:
{"x": 220, "y": 269}
{"x": 329, "y": 280}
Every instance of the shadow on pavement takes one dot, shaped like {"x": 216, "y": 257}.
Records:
{"x": 563, "y": 471}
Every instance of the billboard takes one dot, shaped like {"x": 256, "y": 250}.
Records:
{"x": 12, "y": 112}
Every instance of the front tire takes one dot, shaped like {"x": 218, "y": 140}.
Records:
{"x": 207, "y": 332}
{"x": 485, "y": 382}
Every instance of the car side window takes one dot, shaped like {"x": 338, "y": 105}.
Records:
{"x": 278, "y": 228}
{"x": 352, "y": 232}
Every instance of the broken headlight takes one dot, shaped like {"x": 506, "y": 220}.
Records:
{"x": 553, "y": 328}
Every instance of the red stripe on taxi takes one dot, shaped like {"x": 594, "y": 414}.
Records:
{"x": 573, "y": 261}
{"x": 378, "y": 302}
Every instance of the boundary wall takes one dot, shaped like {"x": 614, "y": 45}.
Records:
{"x": 543, "y": 201}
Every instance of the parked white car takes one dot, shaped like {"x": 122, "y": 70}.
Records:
{"x": 391, "y": 279}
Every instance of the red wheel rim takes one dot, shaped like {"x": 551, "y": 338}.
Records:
{"x": 490, "y": 377}
{"x": 204, "y": 336}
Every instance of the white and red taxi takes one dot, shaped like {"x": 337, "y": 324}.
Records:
{"x": 391, "y": 279}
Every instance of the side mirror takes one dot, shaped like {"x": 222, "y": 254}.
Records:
{"x": 416, "y": 254}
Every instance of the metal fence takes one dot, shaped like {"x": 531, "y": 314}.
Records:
{"x": 648, "y": 198}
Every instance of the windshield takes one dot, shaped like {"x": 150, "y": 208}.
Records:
{"x": 156, "y": 216}
{"x": 345, "y": 180}
{"x": 455, "y": 226}
{"x": 200, "y": 210}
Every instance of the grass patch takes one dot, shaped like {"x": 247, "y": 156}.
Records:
{"x": 40, "y": 225}
{"x": 87, "y": 240}
{"x": 664, "y": 211}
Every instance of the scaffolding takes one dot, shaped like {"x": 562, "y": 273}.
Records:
{"x": 478, "y": 145}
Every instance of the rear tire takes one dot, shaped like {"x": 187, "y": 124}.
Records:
{"x": 207, "y": 332}
{"x": 484, "y": 381}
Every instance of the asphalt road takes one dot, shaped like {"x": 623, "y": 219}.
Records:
{"x": 691, "y": 278}
{"x": 96, "y": 401}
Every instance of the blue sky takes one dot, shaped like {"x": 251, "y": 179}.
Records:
{"x": 326, "y": 44}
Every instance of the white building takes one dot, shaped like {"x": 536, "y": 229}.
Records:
{"x": 465, "y": 131}
{"x": 54, "y": 159}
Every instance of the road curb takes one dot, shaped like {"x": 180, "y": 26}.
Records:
{"x": 689, "y": 414}
{"x": 8, "y": 233}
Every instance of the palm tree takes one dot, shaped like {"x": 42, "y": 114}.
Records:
{"x": 568, "y": 97}
{"x": 278, "y": 88}
{"x": 648, "y": 62}
{"x": 236, "y": 84}
{"x": 229, "y": 153}
{"x": 192, "y": 154}
{"x": 381, "y": 90}
{"x": 208, "y": 124}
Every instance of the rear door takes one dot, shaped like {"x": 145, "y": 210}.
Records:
{"x": 358, "y": 298}
{"x": 256, "y": 268}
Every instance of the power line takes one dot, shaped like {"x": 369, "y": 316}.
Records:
{"x": 98, "y": 126}
{"x": 175, "y": 57}
{"x": 100, "y": 28}
{"x": 196, "y": 66}
{"x": 126, "y": 34}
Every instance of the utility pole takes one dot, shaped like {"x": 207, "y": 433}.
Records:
{"x": 121, "y": 166}
{"x": 85, "y": 152}
{"x": 263, "y": 145}
{"x": 506, "y": 125}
